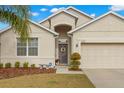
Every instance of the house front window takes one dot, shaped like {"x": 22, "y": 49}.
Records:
{"x": 33, "y": 47}
{"x": 29, "y": 48}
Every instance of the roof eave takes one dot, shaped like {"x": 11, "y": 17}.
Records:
{"x": 54, "y": 14}
{"x": 71, "y": 7}
{"x": 110, "y": 12}
{"x": 6, "y": 29}
{"x": 43, "y": 27}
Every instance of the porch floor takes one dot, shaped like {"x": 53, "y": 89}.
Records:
{"x": 64, "y": 70}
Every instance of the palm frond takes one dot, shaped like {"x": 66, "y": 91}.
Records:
{"x": 17, "y": 17}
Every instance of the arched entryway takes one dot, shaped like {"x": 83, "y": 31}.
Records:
{"x": 63, "y": 43}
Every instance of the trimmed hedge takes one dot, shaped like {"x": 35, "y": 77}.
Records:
{"x": 17, "y": 64}
{"x": 7, "y": 65}
{"x": 1, "y": 65}
{"x": 75, "y": 56}
{"x": 32, "y": 65}
{"x": 25, "y": 64}
{"x": 74, "y": 64}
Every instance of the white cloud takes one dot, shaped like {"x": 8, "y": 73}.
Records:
{"x": 117, "y": 8}
{"x": 93, "y": 15}
{"x": 53, "y": 10}
{"x": 33, "y": 13}
{"x": 43, "y": 9}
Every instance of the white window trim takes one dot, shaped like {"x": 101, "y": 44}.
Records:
{"x": 27, "y": 49}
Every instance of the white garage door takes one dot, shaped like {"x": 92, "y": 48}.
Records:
{"x": 102, "y": 55}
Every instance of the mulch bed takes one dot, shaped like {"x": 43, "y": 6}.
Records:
{"x": 14, "y": 72}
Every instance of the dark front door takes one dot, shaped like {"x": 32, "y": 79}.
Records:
{"x": 63, "y": 54}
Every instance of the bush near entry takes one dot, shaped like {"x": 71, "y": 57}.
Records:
{"x": 74, "y": 64}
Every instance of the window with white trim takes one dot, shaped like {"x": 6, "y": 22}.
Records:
{"x": 21, "y": 48}
{"x": 29, "y": 48}
{"x": 33, "y": 46}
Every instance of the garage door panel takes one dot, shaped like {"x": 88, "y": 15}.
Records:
{"x": 102, "y": 55}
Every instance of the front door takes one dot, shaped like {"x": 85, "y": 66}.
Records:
{"x": 63, "y": 54}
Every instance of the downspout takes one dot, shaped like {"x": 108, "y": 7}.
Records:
{"x": 49, "y": 23}
{"x": 70, "y": 50}
{"x": 76, "y": 20}
{"x": 56, "y": 48}
{"x": 71, "y": 35}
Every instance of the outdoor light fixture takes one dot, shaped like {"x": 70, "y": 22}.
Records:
{"x": 76, "y": 45}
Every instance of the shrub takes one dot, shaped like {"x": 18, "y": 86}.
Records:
{"x": 17, "y": 64}
{"x": 1, "y": 65}
{"x": 25, "y": 64}
{"x": 32, "y": 65}
{"x": 74, "y": 64}
{"x": 75, "y": 56}
{"x": 8, "y": 65}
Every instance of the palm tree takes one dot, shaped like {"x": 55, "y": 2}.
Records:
{"x": 17, "y": 18}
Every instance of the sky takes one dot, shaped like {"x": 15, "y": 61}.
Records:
{"x": 40, "y": 12}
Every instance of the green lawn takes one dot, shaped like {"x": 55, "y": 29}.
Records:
{"x": 48, "y": 81}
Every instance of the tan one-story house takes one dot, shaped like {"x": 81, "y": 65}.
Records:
{"x": 100, "y": 41}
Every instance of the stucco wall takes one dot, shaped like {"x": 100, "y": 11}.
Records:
{"x": 61, "y": 18}
{"x": 45, "y": 23}
{"x": 46, "y": 47}
{"x": 108, "y": 27}
{"x": 82, "y": 19}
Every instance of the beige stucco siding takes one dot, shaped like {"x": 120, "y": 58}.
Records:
{"x": 109, "y": 29}
{"x": 108, "y": 23}
{"x": 46, "y": 47}
{"x": 61, "y": 18}
{"x": 95, "y": 37}
{"x": 82, "y": 19}
{"x": 45, "y": 24}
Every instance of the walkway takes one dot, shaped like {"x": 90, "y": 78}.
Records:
{"x": 64, "y": 70}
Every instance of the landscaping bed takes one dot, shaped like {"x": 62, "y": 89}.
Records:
{"x": 14, "y": 72}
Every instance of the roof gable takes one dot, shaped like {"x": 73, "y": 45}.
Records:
{"x": 98, "y": 18}
{"x": 81, "y": 12}
{"x": 35, "y": 23}
{"x": 53, "y": 32}
{"x": 5, "y": 29}
{"x": 54, "y": 14}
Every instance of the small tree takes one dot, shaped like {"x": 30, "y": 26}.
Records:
{"x": 74, "y": 64}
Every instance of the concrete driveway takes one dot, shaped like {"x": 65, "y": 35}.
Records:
{"x": 106, "y": 78}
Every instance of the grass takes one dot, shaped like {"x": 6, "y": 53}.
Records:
{"x": 48, "y": 81}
